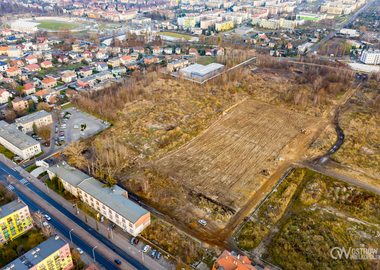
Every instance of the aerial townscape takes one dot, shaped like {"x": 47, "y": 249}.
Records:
{"x": 189, "y": 134}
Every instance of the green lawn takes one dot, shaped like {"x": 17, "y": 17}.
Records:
{"x": 176, "y": 35}
{"x": 206, "y": 60}
{"x": 56, "y": 25}
{"x": 6, "y": 152}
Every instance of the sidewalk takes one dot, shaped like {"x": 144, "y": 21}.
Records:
{"x": 121, "y": 240}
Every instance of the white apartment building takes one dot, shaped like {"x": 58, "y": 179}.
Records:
{"x": 370, "y": 57}
{"x": 40, "y": 118}
{"x": 17, "y": 142}
{"x": 4, "y": 96}
{"x": 111, "y": 202}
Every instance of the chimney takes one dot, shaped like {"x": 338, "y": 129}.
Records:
{"x": 125, "y": 194}
{"x": 18, "y": 200}
{"x": 238, "y": 256}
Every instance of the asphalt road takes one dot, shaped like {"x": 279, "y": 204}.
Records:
{"x": 5, "y": 170}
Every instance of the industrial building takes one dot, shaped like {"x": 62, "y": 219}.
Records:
{"x": 17, "y": 142}
{"x": 201, "y": 73}
{"x": 15, "y": 220}
{"x": 111, "y": 202}
{"x": 40, "y": 118}
{"x": 176, "y": 65}
{"x": 53, "y": 254}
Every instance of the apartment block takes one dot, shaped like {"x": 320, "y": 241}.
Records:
{"x": 15, "y": 220}
{"x": 111, "y": 202}
{"x": 53, "y": 254}
{"x": 40, "y": 118}
{"x": 370, "y": 57}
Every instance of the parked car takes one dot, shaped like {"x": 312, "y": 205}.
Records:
{"x": 112, "y": 226}
{"x": 132, "y": 240}
{"x": 153, "y": 253}
{"x": 158, "y": 255}
{"x": 146, "y": 248}
{"x": 202, "y": 222}
{"x": 80, "y": 251}
{"x": 136, "y": 241}
{"x": 45, "y": 224}
{"x": 117, "y": 261}
{"x": 47, "y": 217}
{"x": 56, "y": 130}
{"x": 102, "y": 219}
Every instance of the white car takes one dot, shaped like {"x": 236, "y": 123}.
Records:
{"x": 146, "y": 248}
{"x": 45, "y": 224}
{"x": 80, "y": 251}
{"x": 47, "y": 217}
{"x": 202, "y": 222}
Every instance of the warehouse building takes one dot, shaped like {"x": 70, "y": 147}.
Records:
{"x": 371, "y": 57}
{"x": 17, "y": 142}
{"x": 53, "y": 254}
{"x": 201, "y": 73}
{"x": 111, "y": 202}
{"x": 40, "y": 118}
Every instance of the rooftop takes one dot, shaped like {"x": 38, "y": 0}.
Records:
{"x": 70, "y": 174}
{"x": 24, "y": 24}
{"x": 16, "y": 137}
{"x": 32, "y": 117}
{"x": 11, "y": 207}
{"x": 38, "y": 254}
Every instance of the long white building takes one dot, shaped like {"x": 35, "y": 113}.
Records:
{"x": 24, "y": 26}
{"x": 112, "y": 203}
{"x": 17, "y": 142}
{"x": 370, "y": 57}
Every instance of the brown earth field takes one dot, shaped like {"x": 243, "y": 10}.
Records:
{"x": 231, "y": 160}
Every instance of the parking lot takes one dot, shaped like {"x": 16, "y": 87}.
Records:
{"x": 80, "y": 125}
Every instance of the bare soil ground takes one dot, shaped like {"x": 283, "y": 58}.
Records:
{"x": 238, "y": 152}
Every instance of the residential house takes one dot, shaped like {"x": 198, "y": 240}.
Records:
{"x": 46, "y": 64}
{"x": 156, "y": 50}
{"x": 33, "y": 67}
{"x": 111, "y": 202}
{"x": 176, "y": 65}
{"x": 4, "y": 96}
{"x": 104, "y": 75}
{"x": 4, "y": 50}
{"x": 178, "y": 50}
{"x": 131, "y": 65}
{"x": 17, "y": 63}
{"x": 138, "y": 49}
{"x": 63, "y": 59}
{"x": 69, "y": 76}
{"x": 134, "y": 56}
{"x": 48, "y": 82}
{"x": 193, "y": 51}
{"x": 41, "y": 39}
{"x": 19, "y": 104}
{"x": 86, "y": 71}
{"x": 100, "y": 55}
{"x": 3, "y": 66}
{"x": 31, "y": 59}
{"x": 39, "y": 95}
{"x": 48, "y": 56}
{"x": 13, "y": 71}
{"x": 101, "y": 66}
{"x": 289, "y": 46}
{"x": 168, "y": 51}
{"x": 23, "y": 76}
{"x": 87, "y": 54}
{"x": 150, "y": 59}
{"x": 87, "y": 81}
{"x": 7, "y": 32}
{"x": 114, "y": 62}
{"x": 29, "y": 89}
{"x": 14, "y": 52}
{"x": 208, "y": 52}
{"x": 219, "y": 51}
{"x": 126, "y": 59}
{"x": 8, "y": 80}
{"x": 71, "y": 93}
{"x": 119, "y": 70}
{"x": 1, "y": 76}
{"x": 229, "y": 261}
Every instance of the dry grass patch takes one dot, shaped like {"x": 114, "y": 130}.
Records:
{"x": 235, "y": 153}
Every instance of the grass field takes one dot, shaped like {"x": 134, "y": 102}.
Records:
{"x": 55, "y": 25}
{"x": 170, "y": 34}
{"x": 206, "y": 60}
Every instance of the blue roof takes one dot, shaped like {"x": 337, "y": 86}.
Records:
{"x": 3, "y": 63}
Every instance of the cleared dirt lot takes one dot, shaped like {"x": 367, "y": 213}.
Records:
{"x": 230, "y": 161}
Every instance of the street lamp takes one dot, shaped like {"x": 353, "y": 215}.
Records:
{"x": 93, "y": 252}
{"x": 71, "y": 239}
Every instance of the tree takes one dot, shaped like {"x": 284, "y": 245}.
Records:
{"x": 43, "y": 106}
{"x": 10, "y": 115}
{"x": 363, "y": 29}
{"x": 20, "y": 89}
{"x": 10, "y": 105}
{"x": 32, "y": 106}
{"x": 44, "y": 133}
{"x": 35, "y": 129}
{"x": 73, "y": 152}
